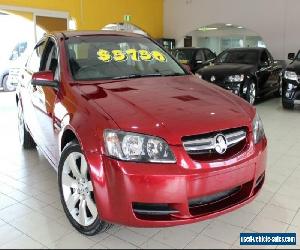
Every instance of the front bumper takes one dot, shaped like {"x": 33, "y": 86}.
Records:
{"x": 175, "y": 193}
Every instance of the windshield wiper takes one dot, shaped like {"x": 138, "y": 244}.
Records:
{"x": 136, "y": 76}
{"x": 175, "y": 74}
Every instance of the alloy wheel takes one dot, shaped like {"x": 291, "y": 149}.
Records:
{"x": 252, "y": 93}
{"x": 280, "y": 87}
{"x": 21, "y": 125}
{"x": 7, "y": 85}
{"x": 78, "y": 190}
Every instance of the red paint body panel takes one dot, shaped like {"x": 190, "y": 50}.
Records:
{"x": 167, "y": 107}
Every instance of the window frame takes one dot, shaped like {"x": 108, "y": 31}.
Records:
{"x": 46, "y": 52}
{"x": 40, "y": 43}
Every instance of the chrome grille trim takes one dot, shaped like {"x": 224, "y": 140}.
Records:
{"x": 206, "y": 144}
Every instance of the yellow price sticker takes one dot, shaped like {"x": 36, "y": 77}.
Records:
{"x": 145, "y": 55}
{"x": 132, "y": 54}
{"x": 118, "y": 55}
{"x": 159, "y": 56}
{"x": 104, "y": 55}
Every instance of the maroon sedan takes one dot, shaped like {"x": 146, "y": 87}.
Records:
{"x": 136, "y": 139}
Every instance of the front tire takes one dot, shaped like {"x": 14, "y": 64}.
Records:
{"x": 25, "y": 137}
{"x": 251, "y": 92}
{"x": 287, "y": 105}
{"x": 77, "y": 193}
{"x": 278, "y": 93}
{"x": 6, "y": 86}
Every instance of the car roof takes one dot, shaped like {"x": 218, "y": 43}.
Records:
{"x": 189, "y": 48}
{"x": 247, "y": 49}
{"x": 68, "y": 34}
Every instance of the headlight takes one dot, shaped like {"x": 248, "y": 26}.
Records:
{"x": 258, "y": 129}
{"x": 236, "y": 78}
{"x": 129, "y": 146}
{"x": 291, "y": 75}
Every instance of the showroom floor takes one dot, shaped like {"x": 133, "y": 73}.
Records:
{"x": 31, "y": 215}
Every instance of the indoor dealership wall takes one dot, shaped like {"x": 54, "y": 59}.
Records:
{"x": 94, "y": 14}
{"x": 274, "y": 20}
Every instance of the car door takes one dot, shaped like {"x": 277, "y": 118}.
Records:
{"x": 275, "y": 73}
{"x": 43, "y": 100}
{"x": 198, "y": 61}
{"x": 209, "y": 57}
{"x": 264, "y": 72}
{"x": 26, "y": 90}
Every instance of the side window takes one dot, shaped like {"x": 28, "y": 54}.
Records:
{"x": 222, "y": 57}
{"x": 209, "y": 55}
{"x": 264, "y": 58}
{"x": 34, "y": 62}
{"x": 50, "y": 59}
{"x": 271, "y": 59}
{"x": 199, "y": 56}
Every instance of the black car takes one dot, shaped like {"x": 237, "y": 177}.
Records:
{"x": 196, "y": 58}
{"x": 291, "y": 82}
{"x": 247, "y": 72}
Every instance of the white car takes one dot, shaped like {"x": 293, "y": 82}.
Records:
{"x": 10, "y": 68}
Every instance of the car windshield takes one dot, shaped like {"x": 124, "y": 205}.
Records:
{"x": 116, "y": 57}
{"x": 238, "y": 56}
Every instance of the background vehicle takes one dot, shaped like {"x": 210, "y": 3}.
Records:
{"x": 4, "y": 71}
{"x": 111, "y": 116}
{"x": 291, "y": 82}
{"x": 196, "y": 58}
{"x": 247, "y": 72}
{"x": 9, "y": 70}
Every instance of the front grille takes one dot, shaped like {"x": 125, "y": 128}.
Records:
{"x": 204, "y": 145}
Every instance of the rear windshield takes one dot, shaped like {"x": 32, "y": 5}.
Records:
{"x": 116, "y": 57}
{"x": 238, "y": 56}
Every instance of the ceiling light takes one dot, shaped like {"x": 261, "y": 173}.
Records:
{"x": 72, "y": 24}
{"x": 240, "y": 27}
{"x": 207, "y": 28}
{"x": 228, "y": 24}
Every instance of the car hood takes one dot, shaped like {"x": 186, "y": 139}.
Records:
{"x": 227, "y": 69}
{"x": 169, "y": 107}
{"x": 294, "y": 66}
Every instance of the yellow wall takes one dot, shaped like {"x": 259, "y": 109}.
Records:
{"x": 23, "y": 14}
{"x": 148, "y": 15}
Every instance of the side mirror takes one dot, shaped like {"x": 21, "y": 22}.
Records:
{"x": 291, "y": 56}
{"x": 44, "y": 79}
{"x": 264, "y": 64}
{"x": 187, "y": 68}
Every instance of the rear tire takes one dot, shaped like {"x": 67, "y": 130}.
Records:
{"x": 278, "y": 93}
{"x": 287, "y": 105}
{"x": 76, "y": 192}
{"x": 25, "y": 137}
